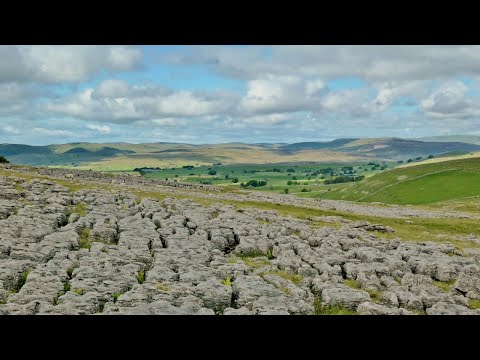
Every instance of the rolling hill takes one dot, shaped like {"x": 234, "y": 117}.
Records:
{"x": 469, "y": 139}
{"x": 125, "y": 156}
{"x": 416, "y": 184}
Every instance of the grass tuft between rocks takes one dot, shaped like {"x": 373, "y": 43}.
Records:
{"x": 474, "y": 304}
{"x": 445, "y": 285}
{"x": 141, "y": 276}
{"x": 320, "y": 309}
{"x": 85, "y": 241}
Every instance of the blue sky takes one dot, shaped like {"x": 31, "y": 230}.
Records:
{"x": 210, "y": 94}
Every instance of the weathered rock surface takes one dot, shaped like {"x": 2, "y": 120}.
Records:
{"x": 108, "y": 251}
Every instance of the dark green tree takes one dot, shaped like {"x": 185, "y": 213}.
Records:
{"x": 3, "y": 160}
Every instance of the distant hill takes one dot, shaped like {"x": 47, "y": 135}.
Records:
{"x": 125, "y": 156}
{"x": 402, "y": 148}
{"x": 105, "y": 151}
{"x": 469, "y": 139}
{"x": 316, "y": 145}
{"x": 391, "y": 148}
{"x": 15, "y": 149}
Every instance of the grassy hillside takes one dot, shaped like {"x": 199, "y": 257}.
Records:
{"x": 469, "y": 139}
{"x": 420, "y": 184}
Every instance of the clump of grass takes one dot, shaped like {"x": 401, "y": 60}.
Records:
{"x": 66, "y": 286}
{"x": 320, "y": 309}
{"x": 270, "y": 254}
{"x": 474, "y": 304}
{"x": 215, "y": 214}
{"x": 227, "y": 281}
{"x": 445, "y": 285}
{"x": 232, "y": 261}
{"x": 21, "y": 281}
{"x": 376, "y": 296}
{"x": 352, "y": 283}
{"x": 115, "y": 296}
{"x": 264, "y": 221}
{"x": 80, "y": 209}
{"x": 290, "y": 276}
{"x": 286, "y": 290}
{"x": 162, "y": 287}
{"x": 19, "y": 188}
{"x": 85, "y": 241}
{"x": 296, "y": 232}
{"x": 141, "y": 276}
{"x": 418, "y": 312}
{"x": 398, "y": 279}
{"x": 79, "y": 291}
{"x": 255, "y": 263}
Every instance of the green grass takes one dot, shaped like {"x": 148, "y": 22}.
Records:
{"x": 66, "y": 286}
{"x": 79, "y": 291}
{"x": 418, "y": 312}
{"x": 115, "y": 296}
{"x": 255, "y": 262}
{"x": 263, "y": 221}
{"x": 445, "y": 285}
{"x": 227, "y": 281}
{"x": 85, "y": 241}
{"x": 351, "y": 283}
{"x": 80, "y": 209}
{"x": 21, "y": 281}
{"x": 375, "y": 296}
{"x": 277, "y": 181}
{"x": 251, "y": 254}
{"x": 19, "y": 188}
{"x": 420, "y": 184}
{"x": 320, "y": 309}
{"x": 141, "y": 276}
{"x": 162, "y": 287}
{"x": 269, "y": 254}
{"x": 474, "y": 304}
{"x": 292, "y": 277}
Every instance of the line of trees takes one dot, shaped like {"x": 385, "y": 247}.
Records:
{"x": 254, "y": 183}
{"x": 3, "y": 160}
{"x": 343, "y": 179}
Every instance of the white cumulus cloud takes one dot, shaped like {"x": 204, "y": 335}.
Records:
{"x": 64, "y": 63}
{"x": 52, "y": 132}
{"x": 103, "y": 129}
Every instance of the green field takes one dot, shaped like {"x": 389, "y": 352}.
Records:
{"x": 421, "y": 184}
{"x": 303, "y": 176}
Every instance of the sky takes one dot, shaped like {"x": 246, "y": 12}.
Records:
{"x": 252, "y": 94}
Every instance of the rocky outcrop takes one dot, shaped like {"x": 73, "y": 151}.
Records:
{"x": 107, "y": 251}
